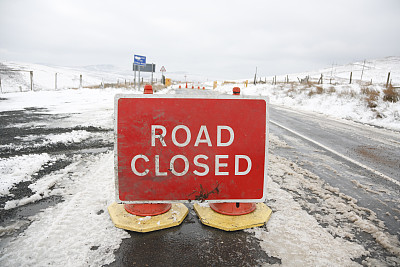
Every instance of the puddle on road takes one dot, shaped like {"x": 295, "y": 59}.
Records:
{"x": 191, "y": 244}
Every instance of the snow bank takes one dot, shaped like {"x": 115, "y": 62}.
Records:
{"x": 76, "y": 232}
{"x": 345, "y": 102}
{"x": 85, "y": 107}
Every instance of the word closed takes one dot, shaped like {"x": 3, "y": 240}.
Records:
{"x": 181, "y": 149}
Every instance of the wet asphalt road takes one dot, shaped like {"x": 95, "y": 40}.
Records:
{"x": 191, "y": 244}
{"x": 373, "y": 147}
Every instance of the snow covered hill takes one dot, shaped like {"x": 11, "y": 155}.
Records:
{"x": 375, "y": 70}
{"x": 361, "y": 101}
{"x": 15, "y": 77}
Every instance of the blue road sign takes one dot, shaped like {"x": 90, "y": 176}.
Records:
{"x": 139, "y": 60}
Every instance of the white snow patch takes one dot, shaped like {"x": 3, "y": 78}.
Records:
{"x": 18, "y": 169}
{"x": 76, "y": 232}
{"x": 72, "y": 137}
{"x": 297, "y": 239}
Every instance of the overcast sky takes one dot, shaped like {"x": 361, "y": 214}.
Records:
{"x": 217, "y": 39}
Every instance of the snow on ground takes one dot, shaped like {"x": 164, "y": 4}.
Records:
{"x": 79, "y": 232}
{"x": 15, "y": 169}
{"x": 346, "y": 102}
{"x": 76, "y": 232}
{"x": 342, "y": 218}
{"x": 86, "y": 107}
{"x": 15, "y": 76}
{"x": 336, "y": 98}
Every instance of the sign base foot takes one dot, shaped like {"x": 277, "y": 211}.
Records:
{"x": 124, "y": 220}
{"x": 258, "y": 217}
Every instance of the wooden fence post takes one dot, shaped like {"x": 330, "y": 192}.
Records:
{"x": 351, "y": 75}
{"x": 387, "y": 81}
{"x": 80, "y": 81}
{"x": 55, "y": 81}
{"x": 31, "y": 74}
{"x": 1, "y": 88}
{"x": 362, "y": 72}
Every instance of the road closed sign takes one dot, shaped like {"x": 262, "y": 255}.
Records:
{"x": 184, "y": 149}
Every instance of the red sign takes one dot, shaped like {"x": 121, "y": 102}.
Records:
{"x": 163, "y": 69}
{"x": 183, "y": 149}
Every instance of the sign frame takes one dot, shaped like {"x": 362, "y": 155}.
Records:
{"x": 148, "y": 67}
{"x": 236, "y": 97}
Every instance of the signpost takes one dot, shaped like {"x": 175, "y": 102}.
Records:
{"x": 139, "y": 61}
{"x": 162, "y": 74}
{"x": 184, "y": 149}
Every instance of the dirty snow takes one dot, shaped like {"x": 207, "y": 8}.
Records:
{"x": 76, "y": 232}
{"x": 79, "y": 232}
{"x": 342, "y": 216}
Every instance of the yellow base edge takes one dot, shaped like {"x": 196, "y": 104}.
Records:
{"x": 258, "y": 217}
{"x": 124, "y": 220}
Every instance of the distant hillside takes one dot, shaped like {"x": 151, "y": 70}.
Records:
{"x": 376, "y": 70}
{"x": 16, "y": 76}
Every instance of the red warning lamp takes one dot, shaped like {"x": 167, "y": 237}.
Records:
{"x": 148, "y": 89}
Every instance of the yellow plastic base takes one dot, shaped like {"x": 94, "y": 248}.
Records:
{"x": 124, "y": 220}
{"x": 214, "y": 219}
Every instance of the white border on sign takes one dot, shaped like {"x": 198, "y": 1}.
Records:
{"x": 119, "y": 96}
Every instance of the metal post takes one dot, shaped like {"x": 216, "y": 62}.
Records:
{"x": 152, "y": 68}
{"x": 80, "y": 81}
{"x": 139, "y": 76}
{"x": 55, "y": 85}
{"x": 134, "y": 79}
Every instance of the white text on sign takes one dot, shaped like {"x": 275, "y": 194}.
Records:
{"x": 202, "y": 137}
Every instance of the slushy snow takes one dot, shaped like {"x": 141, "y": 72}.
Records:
{"x": 79, "y": 231}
